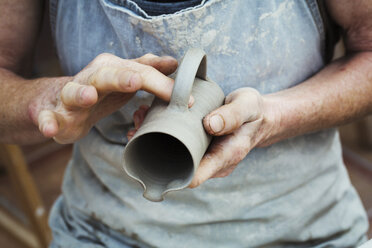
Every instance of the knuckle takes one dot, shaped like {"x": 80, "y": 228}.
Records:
{"x": 232, "y": 96}
{"x": 235, "y": 117}
{"x": 251, "y": 91}
{"x": 256, "y": 94}
{"x": 245, "y": 94}
{"x": 129, "y": 80}
{"x": 239, "y": 154}
{"x": 99, "y": 76}
{"x": 67, "y": 88}
{"x": 103, "y": 57}
{"x": 147, "y": 69}
{"x": 69, "y": 84}
{"x": 228, "y": 99}
{"x": 149, "y": 56}
{"x": 93, "y": 78}
{"x": 247, "y": 98}
{"x": 102, "y": 71}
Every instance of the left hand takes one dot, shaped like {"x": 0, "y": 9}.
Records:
{"x": 238, "y": 126}
{"x": 138, "y": 118}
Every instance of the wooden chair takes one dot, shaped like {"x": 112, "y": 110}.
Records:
{"x": 37, "y": 234}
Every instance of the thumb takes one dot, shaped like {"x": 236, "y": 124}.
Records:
{"x": 241, "y": 106}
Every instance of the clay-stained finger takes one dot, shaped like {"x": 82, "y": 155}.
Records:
{"x": 131, "y": 133}
{"x": 225, "y": 119}
{"x": 133, "y": 77}
{"x": 77, "y": 95}
{"x": 114, "y": 79}
{"x": 165, "y": 64}
{"x": 207, "y": 168}
{"x": 140, "y": 115}
{"x": 244, "y": 105}
{"x": 212, "y": 161}
{"x": 48, "y": 124}
{"x": 156, "y": 83}
{"x": 223, "y": 155}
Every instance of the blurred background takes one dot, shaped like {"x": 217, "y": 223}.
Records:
{"x": 24, "y": 206}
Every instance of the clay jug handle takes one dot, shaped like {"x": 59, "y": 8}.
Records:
{"x": 194, "y": 64}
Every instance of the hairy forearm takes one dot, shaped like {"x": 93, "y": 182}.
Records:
{"x": 18, "y": 105}
{"x": 340, "y": 93}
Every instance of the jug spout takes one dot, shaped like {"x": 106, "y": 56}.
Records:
{"x": 154, "y": 193}
{"x": 160, "y": 162}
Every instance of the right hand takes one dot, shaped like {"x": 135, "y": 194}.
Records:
{"x": 68, "y": 110}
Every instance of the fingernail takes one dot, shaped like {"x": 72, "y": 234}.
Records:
{"x": 191, "y": 101}
{"x": 216, "y": 123}
{"x": 193, "y": 184}
{"x": 46, "y": 128}
{"x": 82, "y": 92}
{"x": 42, "y": 128}
{"x": 136, "y": 121}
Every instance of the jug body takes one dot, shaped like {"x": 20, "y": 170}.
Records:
{"x": 165, "y": 152}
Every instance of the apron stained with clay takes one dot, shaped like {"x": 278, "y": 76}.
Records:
{"x": 295, "y": 193}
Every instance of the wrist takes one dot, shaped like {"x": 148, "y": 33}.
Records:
{"x": 269, "y": 131}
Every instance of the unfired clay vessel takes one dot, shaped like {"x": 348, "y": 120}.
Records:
{"x": 165, "y": 152}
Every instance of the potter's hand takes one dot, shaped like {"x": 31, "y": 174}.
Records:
{"x": 237, "y": 125}
{"x": 67, "y": 112}
{"x": 138, "y": 117}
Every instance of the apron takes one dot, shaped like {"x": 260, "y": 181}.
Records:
{"x": 295, "y": 193}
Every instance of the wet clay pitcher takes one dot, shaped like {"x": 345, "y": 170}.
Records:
{"x": 166, "y": 150}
